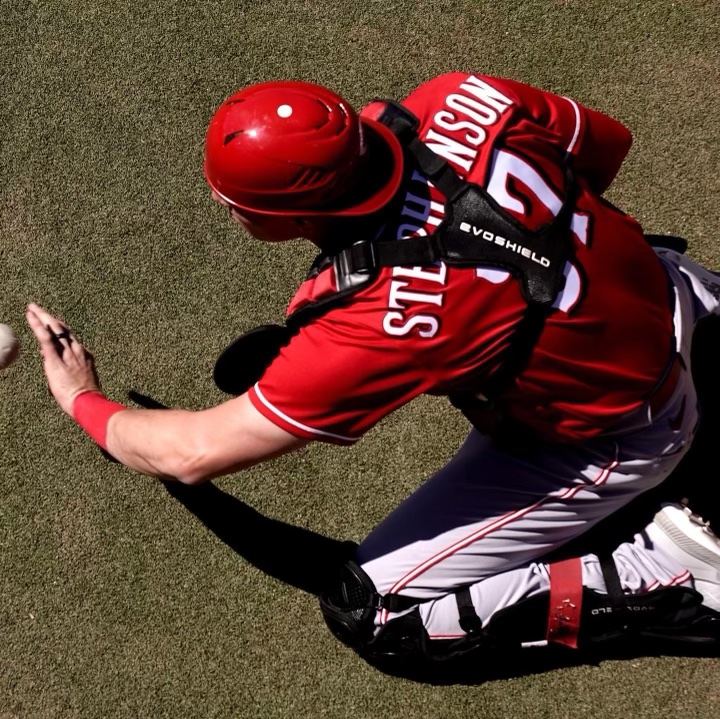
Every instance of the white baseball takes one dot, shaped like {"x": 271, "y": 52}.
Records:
{"x": 9, "y": 346}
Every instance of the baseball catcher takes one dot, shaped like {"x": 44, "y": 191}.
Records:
{"x": 465, "y": 250}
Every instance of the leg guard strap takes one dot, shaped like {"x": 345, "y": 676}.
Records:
{"x": 568, "y": 615}
{"x": 566, "y": 595}
{"x": 470, "y": 622}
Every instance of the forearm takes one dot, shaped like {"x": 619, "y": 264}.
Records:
{"x": 170, "y": 443}
{"x": 159, "y": 443}
{"x": 194, "y": 447}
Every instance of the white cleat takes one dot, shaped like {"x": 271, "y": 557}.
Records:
{"x": 688, "y": 539}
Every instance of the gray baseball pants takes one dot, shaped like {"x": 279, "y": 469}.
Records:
{"x": 487, "y": 518}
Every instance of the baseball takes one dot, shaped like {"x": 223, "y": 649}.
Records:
{"x": 9, "y": 346}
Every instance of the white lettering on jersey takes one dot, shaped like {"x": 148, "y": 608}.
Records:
{"x": 419, "y": 209}
{"x": 403, "y": 296}
{"x": 400, "y": 298}
{"x": 452, "y": 150}
{"x": 431, "y": 274}
{"x": 405, "y": 326}
{"x": 506, "y": 165}
{"x": 448, "y": 121}
{"x": 473, "y": 107}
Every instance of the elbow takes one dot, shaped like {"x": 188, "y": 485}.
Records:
{"x": 192, "y": 473}
{"x": 192, "y": 478}
{"x": 192, "y": 465}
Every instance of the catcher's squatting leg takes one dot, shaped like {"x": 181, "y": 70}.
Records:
{"x": 637, "y": 593}
{"x": 485, "y": 574}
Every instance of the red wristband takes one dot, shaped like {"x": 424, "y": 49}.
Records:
{"x": 92, "y": 411}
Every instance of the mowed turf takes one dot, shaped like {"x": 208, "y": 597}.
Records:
{"x": 115, "y": 601}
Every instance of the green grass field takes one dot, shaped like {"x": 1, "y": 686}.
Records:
{"x": 115, "y": 600}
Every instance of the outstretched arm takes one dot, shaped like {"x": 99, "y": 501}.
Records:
{"x": 196, "y": 446}
{"x": 174, "y": 444}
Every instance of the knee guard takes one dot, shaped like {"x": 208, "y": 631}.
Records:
{"x": 349, "y": 608}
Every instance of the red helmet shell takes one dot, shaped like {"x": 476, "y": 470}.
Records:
{"x": 292, "y": 148}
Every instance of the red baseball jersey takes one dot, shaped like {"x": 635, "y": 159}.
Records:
{"x": 442, "y": 329}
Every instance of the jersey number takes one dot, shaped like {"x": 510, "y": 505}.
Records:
{"x": 507, "y": 166}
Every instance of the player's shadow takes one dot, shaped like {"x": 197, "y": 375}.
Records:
{"x": 296, "y": 556}
{"x": 310, "y": 561}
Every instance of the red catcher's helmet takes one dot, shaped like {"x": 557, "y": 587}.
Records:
{"x": 298, "y": 149}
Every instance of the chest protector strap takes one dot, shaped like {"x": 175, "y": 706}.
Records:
{"x": 475, "y": 231}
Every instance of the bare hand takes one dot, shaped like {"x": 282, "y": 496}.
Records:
{"x": 69, "y": 367}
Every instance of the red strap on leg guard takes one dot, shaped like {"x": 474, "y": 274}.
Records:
{"x": 566, "y": 591}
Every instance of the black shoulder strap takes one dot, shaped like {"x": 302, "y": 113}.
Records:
{"x": 404, "y": 124}
{"x": 475, "y": 230}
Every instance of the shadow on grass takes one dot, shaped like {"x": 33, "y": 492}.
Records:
{"x": 487, "y": 665}
{"x": 299, "y": 557}
{"x": 310, "y": 561}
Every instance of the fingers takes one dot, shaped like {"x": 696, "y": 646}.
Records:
{"x": 69, "y": 368}
{"x": 40, "y": 329}
{"x": 42, "y": 332}
{"x": 52, "y": 324}
{"x": 52, "y": 334}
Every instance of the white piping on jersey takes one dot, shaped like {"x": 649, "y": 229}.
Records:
{"x": 577, "y": 125}
{"x": 297, "y": 424}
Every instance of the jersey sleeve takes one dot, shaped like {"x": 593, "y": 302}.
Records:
{"x": 597, "y": 143}
{"x": 331, "y": 385}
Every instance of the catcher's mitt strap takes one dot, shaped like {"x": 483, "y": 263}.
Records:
{"x": 566, "y": 594}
